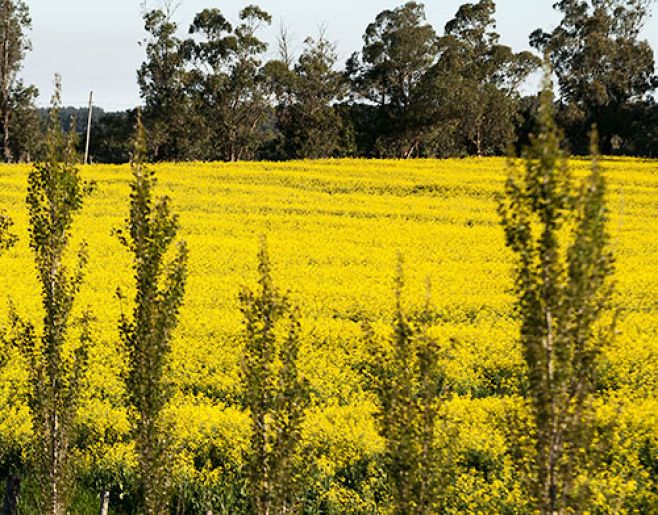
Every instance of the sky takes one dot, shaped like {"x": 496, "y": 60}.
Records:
{"x": 95, "y": 44}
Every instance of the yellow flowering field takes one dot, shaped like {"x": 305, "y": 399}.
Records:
{"x": 334, "y": 229}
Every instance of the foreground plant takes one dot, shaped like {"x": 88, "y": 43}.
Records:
{"x": 57, "y": 365}
{"x": 147, "y": 335}
{"x": 10, "y": 455}
{"x": 409, "y": 383}
{"x": 562, "y": 269}
{"x": 7, "y": 239}
{"x": 275, "y": 393}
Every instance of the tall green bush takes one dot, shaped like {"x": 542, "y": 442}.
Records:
{"x": 562, "y": 267}
{"x": 275, "y": 394}
{"x": 57, "y": 365}
{"x": 409, "y": 383}
{"x": 10, "y": 460}
{"x": 147, "y": 334}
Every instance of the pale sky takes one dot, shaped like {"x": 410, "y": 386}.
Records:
{"x": 94, "y": 44}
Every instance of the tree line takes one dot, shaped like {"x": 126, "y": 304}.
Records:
{"x": 555, "y": 228}
{"x": 410, "y": 91}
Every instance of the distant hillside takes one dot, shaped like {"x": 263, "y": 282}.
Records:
{"x": 67, "y": 113}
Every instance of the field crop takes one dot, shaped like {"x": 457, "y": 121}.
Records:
{"x": 334, "y": 230}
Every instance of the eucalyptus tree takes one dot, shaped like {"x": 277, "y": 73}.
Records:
{"x": 306, "y": 98}
{"x": 602, "y": 64}
{"x": 226, "y": 81}
{"x": 161, "y": 79}
{"x": 399, "y": 48}
{"x": 16, "y": 99}
{"x": 477, "y": 81}
{"x": 25, "y": 138}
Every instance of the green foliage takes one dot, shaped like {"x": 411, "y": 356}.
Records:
{"x": 309, "y": 122}
{"x": 160, "y": 286}
{"x": 7, "y": 239}
{"x": 410, "y": 385}
{"x": 17, "y": 110}
{"x": 111, "y": 135}
{"x": 399, "y": 49}
{"x": 477, "y": 80}
{"x": 161, "y": 82}
{"x": 562, "y": 270}
{"x": 447, "y": 95}
{"x": 602, "y": 66}
{"x": 56, "y": 367}
{"x": 408, "y": 93}
{"x": 275, "y": 395}
{"x": 25, "y": 138}
{"x": 226, "y": 84}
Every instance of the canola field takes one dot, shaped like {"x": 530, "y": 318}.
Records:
{"x": 334, "y": 230}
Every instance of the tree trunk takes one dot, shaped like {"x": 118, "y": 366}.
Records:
{"x": 478, "y": 143}
{"x": 5, "y": 137}
{"x": 5, "y": 100}
{"x": 105, "y": 503}
{"x": 10, "y": 504}
{"x": 409, "y": 153}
